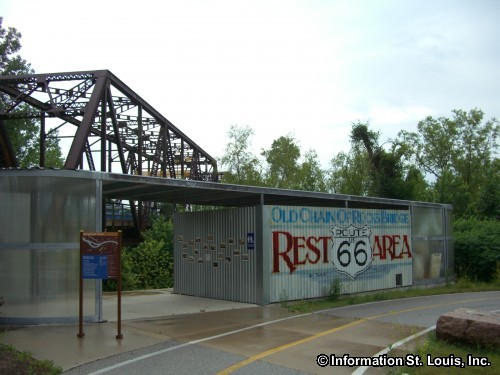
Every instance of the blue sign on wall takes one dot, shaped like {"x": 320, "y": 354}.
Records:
{"x": 251, "y": 241}
{"x": 94, "y": 267}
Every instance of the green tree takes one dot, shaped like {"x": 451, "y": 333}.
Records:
{"x": 310, "y": 175}
{"x": 477, "y": 248}
{"x": 240, "y": 165}
{"x": 10, "y": 43}
{"x": 388, "y": 176}
{"x": 282, "y": 163}
{"x": 458, "y": 153}
{"x": 488, "y": 204}
{"x": 287, "y": 170}
{"x": 417, "y": 187}
{"x": 350, "y": 172}
{"x": 23, "y": 133}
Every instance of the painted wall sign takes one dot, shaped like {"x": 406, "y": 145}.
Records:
{"x": 310, "y": 247}
{"x": 352, "y": 252}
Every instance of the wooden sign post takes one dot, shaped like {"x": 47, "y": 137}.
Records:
{"x": 100, "y": 258}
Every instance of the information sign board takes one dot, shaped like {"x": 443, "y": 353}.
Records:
{"x": 95, "y": 266}
{"x": 100, "y": 255}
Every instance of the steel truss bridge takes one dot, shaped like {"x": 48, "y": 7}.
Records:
{"x": 105, "y": 125}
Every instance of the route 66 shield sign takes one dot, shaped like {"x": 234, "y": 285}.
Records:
{"x": 352, "y": 250}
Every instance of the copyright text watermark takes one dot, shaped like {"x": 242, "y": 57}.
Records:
{"x": 410, "y": 360}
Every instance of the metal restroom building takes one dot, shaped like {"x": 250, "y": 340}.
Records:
{"x": 257, "y": 245}
{"x": 294, "y": 245}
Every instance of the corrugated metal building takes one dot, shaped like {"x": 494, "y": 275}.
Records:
{"x": 270, "y": 243}
{"x": 267, "y": 253}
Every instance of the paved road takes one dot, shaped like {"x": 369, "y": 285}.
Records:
{"x": 269, "y": 340}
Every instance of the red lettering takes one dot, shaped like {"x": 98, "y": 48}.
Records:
{"x": 406, "y": 246}
{"x": 388, "y": 245}
{"x": 378, "y": 246}
{"x": 277, "y": 254}
{"x": 298, "y": 243}
{"x": 314, "y": 250}
{"x": 325, "y": 248}
{"x": 391, "y": 244}
{"x": 395, "y": 241}
{"x": 305, "y": 250}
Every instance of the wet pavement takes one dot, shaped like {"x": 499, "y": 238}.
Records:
{"x": 168, "y": 333}
{"x": 60, "y": 344}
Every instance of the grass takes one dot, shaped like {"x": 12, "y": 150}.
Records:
{"x": 15, "y": 362}
{"x": 461, "y": 286}
{"x": 431, "y": 346}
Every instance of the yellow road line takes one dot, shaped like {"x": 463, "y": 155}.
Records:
{"x": 277, "y": 349}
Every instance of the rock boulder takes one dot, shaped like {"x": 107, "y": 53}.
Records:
{"x": 470, "y": 326}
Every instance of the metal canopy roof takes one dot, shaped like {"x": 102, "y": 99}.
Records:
{"x": 144, "y": 188}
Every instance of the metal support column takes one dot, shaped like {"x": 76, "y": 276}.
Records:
{"x": 262, "y": 269}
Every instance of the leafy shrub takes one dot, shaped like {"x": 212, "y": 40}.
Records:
{"x": 333, "y": 291}
{"x": 149, "y": 265}
{"x": 283, "y": 298}
{"x": 477, "y": 248}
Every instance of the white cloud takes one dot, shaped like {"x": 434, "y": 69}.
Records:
{"x": 309, "y": 68}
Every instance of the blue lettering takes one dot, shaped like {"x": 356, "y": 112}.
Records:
{"x": 318, "y": 217}
{"x": 279, "y": 211}
{"x": 342, "y": 216}
{"x": 308, "y": 215}
{"x": 357, "y": 217}
{"x": 305, "y": 215}
{"x": 293, "y": 216}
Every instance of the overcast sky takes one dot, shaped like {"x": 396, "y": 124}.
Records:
{"x": 306, "y": 68}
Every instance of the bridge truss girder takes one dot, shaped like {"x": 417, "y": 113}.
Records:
{"x": 109, "y": 127}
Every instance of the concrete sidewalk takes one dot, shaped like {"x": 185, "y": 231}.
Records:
{"x": 160, "y": 303}
{"x": 60, "y": 343}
